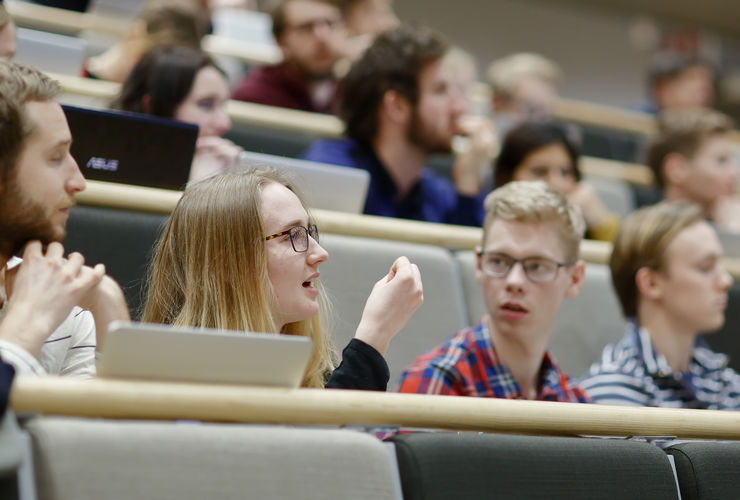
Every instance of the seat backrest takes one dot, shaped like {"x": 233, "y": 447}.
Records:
{"x": 442, "y": 465}
{"x": 78, "y": 458}
{"x": 355, "y": 264}
{"x": 123, "y": 240}
{"x": 706, "y": 469}
{"x": 616, "y": 194}
{"x": 585, "y": 324}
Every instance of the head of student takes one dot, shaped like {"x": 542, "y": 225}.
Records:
{"x": 309, "y": 33}
{"x": 528, "y": 261}
{"x": 399, "y": 82}
{"x": 7, "y": 34}
{"x": 538, "y": 151}
{"x": 692, "y": 156}
{"x": 680, "y": 81}
{"x": 368, "y": 17}
{"x": 178, "y": 82}
{"x": 241, "y": 252}
{"x": 38, "y": 176}
{"x": 666, "y": 261}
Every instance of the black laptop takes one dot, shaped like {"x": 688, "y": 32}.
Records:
{"x": 131, "y": 148}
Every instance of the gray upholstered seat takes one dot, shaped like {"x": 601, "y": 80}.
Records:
{"x": 355, "y": 264}
{"x": 79, "y": 459}
{"x": 443, "y": 465}
{"x": 584, "y": 324}
{"x": 707, "y": 469}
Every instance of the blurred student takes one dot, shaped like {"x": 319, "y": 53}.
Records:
{"x": 400, "y": 105}
{"x": 680, "y": 81}
{"x": 44, "y": 327}
{"x": 309, "y": 34}
{"x": 667, "y": 274}
{"x": 527, "y": 264}
{"x": 7, "y": 34}
{"x": 364, "y": 21}
{"x": 241, "y": 252}
{"x": 185, "y": 84}
{"x": 693, "y": 159}
{"x": 544, "y": 151}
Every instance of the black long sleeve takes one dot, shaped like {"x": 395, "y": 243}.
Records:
{"x": 7, "y": 372}
{"x": 362, "y": 368}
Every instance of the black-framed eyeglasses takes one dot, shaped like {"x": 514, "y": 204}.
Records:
{"x": 298, "y": 236}
{"x": 536, "y": 269}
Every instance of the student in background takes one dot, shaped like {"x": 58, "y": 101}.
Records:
{"x": 400, "y": 105}
{"x": 693, "y": 159}
{"x": 543, "y": 151}
{"x": 44, "y": 327}
{"x": 310, "y": 34}
{"x": 7, "y": 34}
{"x": 680, "y": 81}
{"x": 667, "y": 273}
{"x": 185, "y": 84}
{"x": 527, "y": 264}
{"x": 241, "y": 252}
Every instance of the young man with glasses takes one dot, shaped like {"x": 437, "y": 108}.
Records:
{"x": 309, "y": 34}
{"x": 670, "y": 282}
{"x": 527, "y": 265}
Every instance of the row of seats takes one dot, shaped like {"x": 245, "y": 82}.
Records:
{"x": 75, "y": 458}
{"x": 123, "y": 240}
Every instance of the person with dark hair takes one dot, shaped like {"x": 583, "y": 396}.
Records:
{"x": 544, "y": 151}
{"x": 44, "y": 327}
{"x": 692, "y": 158}
{"x": 399, "y": 105}
{"x": 680, "y": 81}
{"x": 185, "y": 84}
{"x": 672, "y": 287}
{"x": 309, "y": 34}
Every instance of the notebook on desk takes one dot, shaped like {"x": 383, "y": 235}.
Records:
{"x": 147, "y": 351}
{"x": 131, "y": 148}
{"x": 329, "y": 187}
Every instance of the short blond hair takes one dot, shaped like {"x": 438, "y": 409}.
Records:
{"x": 505, "y": 74}
{"x": 684, "y": 131}
{"x": 535, "y": 201}
{"x": 641, "y": 242}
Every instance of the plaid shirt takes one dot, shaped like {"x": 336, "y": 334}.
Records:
{"x": 467, "y": 365}
{"x": 632, "y": 372}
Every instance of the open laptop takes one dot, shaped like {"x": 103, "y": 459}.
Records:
{"x": 131, "y": 148}
{"x": 329, "y": 187}
{"x": 50, "y": 52}
{"x": 163, "y": 352}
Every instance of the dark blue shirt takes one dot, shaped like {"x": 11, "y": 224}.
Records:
{"x": 6, "y": 378}
{"x": 432, "y": 198}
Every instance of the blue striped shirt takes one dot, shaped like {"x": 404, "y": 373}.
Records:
{"x": 631, "y": 372}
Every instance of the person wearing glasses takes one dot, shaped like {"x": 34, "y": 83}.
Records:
{"x": 527, "y": 264}
{"x": 310, "y": 34}
{"x": 667, "y": 273}
{"x": 241, "y": 252}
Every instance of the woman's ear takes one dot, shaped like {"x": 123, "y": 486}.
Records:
{"x": 647, "y": 283}
{"x": 146, "y": 103}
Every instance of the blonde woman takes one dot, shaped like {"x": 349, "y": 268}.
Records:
{"x": 241, "y": 252}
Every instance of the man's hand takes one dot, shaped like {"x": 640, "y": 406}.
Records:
{"x": 482, "y": 147}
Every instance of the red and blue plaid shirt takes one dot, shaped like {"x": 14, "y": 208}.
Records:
{"x": 467, "y": 365}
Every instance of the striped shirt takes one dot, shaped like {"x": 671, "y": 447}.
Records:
{"x": 631, "y": 372}
{"x": 467, "y": 365}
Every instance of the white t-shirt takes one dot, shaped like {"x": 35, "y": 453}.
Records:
{"x": 69, "y": 350}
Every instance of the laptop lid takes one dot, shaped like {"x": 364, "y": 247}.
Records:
{"x": 164, "y": 352}
{"x": 50, "y": 52}
{"x": 131, "y": 148}
{"x": 329, "y": 187}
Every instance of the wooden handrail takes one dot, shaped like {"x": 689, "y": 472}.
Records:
{"x": 55, "y": 19}
{"x": 612, "y": 169}
{"x": 109, "y": 398}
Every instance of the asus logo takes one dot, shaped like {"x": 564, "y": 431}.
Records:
{"x": 102, "y": 164}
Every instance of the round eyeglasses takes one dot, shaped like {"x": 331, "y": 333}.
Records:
{"x": 298, "y": 236}
{"x": 536, "y": 269}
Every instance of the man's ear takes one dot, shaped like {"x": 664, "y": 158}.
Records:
{"x": 675, "y": 168}
{"x": 146, "y": 103}
{"x": 395, "y": 107}
{"x": 646, "y": 281}
{"x": 577, "y": 276}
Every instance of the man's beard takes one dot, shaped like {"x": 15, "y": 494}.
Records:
{"x": 23, "y": 220}
{"x": 419, "y": 134}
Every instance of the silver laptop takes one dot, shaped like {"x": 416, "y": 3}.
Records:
{"x": 50, "y": 52}
{"x": 163, "y": 352}
{"x": 329, "y": 187}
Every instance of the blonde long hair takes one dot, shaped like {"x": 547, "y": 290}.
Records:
{"x": 209, "y": 269}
